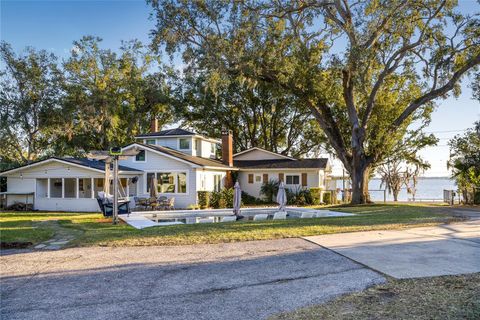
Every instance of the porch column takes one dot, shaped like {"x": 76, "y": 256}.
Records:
{"x": 77, "y": 188}
{"x": 128, "y": 188}
{"x": 92, "y": 188}
{"x": 63, "y": 188}
{"x": 48, "y": 188}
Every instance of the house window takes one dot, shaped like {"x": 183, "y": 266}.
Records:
{"x": 151, "y": 141}
{"x": 181, "y": 182}
{"x": 250, "y": 178}
{"x": 217, "y": 182}
{"x": 295, "y": 180}
{"x": 258, "y": 178}
{"x": 212, "y": 148}
{"x": 140, "y": 157}
{"x": 184, "y": 144}
{"x": 168, "y": 182}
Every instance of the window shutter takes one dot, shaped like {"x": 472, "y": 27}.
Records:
{"x": 304, "y": 179}
{"x": 280, "y": 177}
{"x": 265, "y": 177}
{"x": 250, "y": 178}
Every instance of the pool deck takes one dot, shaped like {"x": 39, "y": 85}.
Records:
{"x": 139, "y": 220}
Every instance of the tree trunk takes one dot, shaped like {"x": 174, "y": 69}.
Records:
{"x": 360, "y": 177}
{"x": 395, "y": 196}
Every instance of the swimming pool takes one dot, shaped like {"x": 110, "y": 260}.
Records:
{"x": 163, "y": 218}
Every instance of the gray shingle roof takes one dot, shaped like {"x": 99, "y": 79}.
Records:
{"x": 169, "y": 132}
{"x": 94, "y": 164}
{"x": 318, "y": 163}
{"x": 99, "y": 165}
{"x": 204, "y": 162}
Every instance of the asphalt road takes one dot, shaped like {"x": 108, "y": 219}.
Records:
{"x": 249, "y": 280}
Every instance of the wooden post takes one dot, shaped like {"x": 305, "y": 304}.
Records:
{"x": 63, "y": 188}
{"x": 48, "y": 188}
{"x": 92, "y": 187}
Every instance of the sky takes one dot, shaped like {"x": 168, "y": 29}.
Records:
{"x": 54, "y": 25}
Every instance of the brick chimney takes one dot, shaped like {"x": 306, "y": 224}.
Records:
{"x": 153, "y": 125}
{"x": 227, "y": 147}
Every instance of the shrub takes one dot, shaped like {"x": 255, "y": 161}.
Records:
{"x": 269, "y": 189}
{"x": 316, "y": 194}
{"x": 299, "y": 196}
{"x": 204, "y": 199}
{"x": 327, "y": 198}
{"x": 222, "y": 199}
{"x": 227, "y": 195}
{"x": 249, "y": 199}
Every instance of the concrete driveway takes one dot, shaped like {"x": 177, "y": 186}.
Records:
{"x": 419, "y": 252}
{"x": 249, "y": 280}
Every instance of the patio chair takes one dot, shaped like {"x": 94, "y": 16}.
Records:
{"x": 153, "y": 203}
{"x": 306, "y": 215}
{"x": 280, "y": 215}
{"x": 260, "y": 217}
{"x": 229, "y": 219}
{"x": 169, "y": 204}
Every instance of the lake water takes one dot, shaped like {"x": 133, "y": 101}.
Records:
{"x": 427, "y": 188}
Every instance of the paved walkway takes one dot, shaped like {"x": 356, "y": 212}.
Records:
{"x": 249, "y": 280}
{"x": 419, "y": 252}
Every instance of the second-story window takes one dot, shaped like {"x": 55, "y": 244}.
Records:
{"x": 151, "y": 141}
{"x": 140, "y": 157}
{"x": 184, "y": 144}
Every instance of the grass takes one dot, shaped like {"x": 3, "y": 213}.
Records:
{"x": 94, "y": 230}
{"x": 447, "y": 297}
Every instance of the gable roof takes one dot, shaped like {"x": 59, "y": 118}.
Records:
{"x": 199, "y": 161}
{"x": 262, "y": 150}
{"x": 316, "y": 163}
{"x": 80, "y": 162}
{"x": 169, "y": 132}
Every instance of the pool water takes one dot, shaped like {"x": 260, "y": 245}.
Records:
{"x": 213, "y": 216}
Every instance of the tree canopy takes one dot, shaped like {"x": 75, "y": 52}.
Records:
{"x": 366, "y": 70}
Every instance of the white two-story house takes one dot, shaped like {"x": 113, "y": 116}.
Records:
{"x": 181, "y": 161}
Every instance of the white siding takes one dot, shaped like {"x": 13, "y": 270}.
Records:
{"x": 205, "y": 179}
{"x": 160, "y": 163}
{"x": 25, "y": 181}
{"x": 256, "y": 154}
{"x": 168, "y": 142}
{"x": 253, "y": 189}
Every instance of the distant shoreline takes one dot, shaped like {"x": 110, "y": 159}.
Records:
{"x": 422, "y": 178}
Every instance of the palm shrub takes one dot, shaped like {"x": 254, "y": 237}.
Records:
{"x": 269, "y": 189}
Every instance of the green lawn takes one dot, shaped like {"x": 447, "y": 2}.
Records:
{"x": 93, "y": 229}
{"x": 447, "y": 297}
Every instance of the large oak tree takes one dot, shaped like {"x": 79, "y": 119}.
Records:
{"x": 367, "y": 70}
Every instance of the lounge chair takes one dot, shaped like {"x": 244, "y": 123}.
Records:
{"x": 306, "y": 215}
{"x": 229, "y": 218}
{"x": 206, "y": 220}
{"x": 280, "y": 215}
{"x": 260, "y": 217}
{"x": 107, "y": 207}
